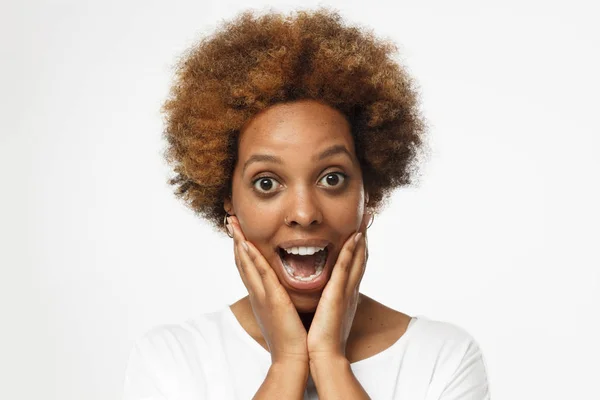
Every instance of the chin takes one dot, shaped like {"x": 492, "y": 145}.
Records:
{"x": 305, "y": 303}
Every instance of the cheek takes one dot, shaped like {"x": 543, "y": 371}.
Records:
{"x": 346, "y": 219}
{"x": 253, "y": 216}
{"x": 259, "y": 232}
{"x": 258, "y": 224}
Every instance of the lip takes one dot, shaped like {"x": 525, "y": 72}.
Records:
{"x": 320, "y": 282}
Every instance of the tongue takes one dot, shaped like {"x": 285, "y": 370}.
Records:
{"x": 303, "y": 266}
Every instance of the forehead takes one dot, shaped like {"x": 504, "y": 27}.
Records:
{"x": 304, "y": 126}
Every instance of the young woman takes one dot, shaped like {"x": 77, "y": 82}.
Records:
{"x": 288, "y": 132}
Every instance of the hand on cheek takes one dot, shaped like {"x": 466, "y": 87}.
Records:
{"x": 333, "y": 319}
{"x": 273, "y": 309}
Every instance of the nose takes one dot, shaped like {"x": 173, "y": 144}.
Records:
{"x": 303, "y": 209}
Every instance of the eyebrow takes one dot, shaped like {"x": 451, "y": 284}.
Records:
{"x": 262, "y": 157}
{"x": 334, "y": 150}
{"x": 328, "y": 152}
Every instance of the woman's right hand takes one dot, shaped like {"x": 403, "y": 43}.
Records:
{"x": 273, "y": 309}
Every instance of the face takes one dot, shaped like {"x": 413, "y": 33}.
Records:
{"x": 297, "y": 183}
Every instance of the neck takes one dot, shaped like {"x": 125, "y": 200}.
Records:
{"x": 306, "y": 319}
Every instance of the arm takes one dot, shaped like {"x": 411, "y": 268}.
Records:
{"x": 334, "y": 379}
{"x": 284, "y": 381}
{"x": 332, "y": 323}
{"x": 280, "y": 323}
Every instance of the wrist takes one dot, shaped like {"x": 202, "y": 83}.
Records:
{"x": 295, "y": 368}
{"x": 325, "y": 365}
{"x": 284, "y": 380}
{"x": 334, "y": 378}
{"x": 332, "y": 360}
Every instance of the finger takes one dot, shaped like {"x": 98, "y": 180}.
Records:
{"x": 235, "y": 223}
{"x": 359, "y": 263}
{"x": 259, "y": 262}
{"x": 242, "y": 268}
{"x": 364, "y": 230}
{"x": 366, "y": 247}
{"x": 238, "y": 261}
{"x": 342, "y": 266}
{"x": 246, "y": 268}
{"x": 360, "y": 256}
{"x": 236, "y": 241}
{"x": 367, "y": 216}
{"x": 264, "y": 269}
{"x": 236, "y": 256}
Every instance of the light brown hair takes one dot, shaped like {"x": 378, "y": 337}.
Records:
{"x": 255, "y": 61}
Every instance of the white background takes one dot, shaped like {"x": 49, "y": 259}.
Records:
{"x": 500, "y": 236}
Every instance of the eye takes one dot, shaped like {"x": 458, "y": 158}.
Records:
{"x": 334, "y": 179}
{"x": 265, "y": 185}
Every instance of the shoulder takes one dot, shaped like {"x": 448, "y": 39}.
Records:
{"x": 175, "y": 341}
{"x": 441, "y": 332}
{"x": 446, "y": 341}
{"x": 163, "y": 359}
{"x": 379, "y": 320}
{"x": 455, "y": 356}
{"x": 166, "y": 342}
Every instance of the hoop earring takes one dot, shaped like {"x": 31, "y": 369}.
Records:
{"x": 371, "y": 222}
{"x": 225, "y": 224}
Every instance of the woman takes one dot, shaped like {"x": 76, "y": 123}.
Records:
{"x": 288, "y": 132}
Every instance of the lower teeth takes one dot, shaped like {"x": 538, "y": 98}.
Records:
{"x": 320, "y": 262}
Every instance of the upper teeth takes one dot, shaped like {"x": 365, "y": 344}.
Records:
{"x": 303, "y": 251}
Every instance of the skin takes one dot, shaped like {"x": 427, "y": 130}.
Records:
{"x": 332, "y": 322}
{"x": 296, "y": 133}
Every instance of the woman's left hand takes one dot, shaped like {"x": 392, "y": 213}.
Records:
{"x": 335, "y": 312}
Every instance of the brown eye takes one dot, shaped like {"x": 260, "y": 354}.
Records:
{"x": 265, "y": 184}
{"x": 334, "y": 179}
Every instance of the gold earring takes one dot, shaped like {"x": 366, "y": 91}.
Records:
{"x": 371, "y": 222}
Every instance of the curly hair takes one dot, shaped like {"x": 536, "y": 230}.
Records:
{"x": 255, "y": 61}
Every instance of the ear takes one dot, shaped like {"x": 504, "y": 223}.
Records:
{"x": 228, "y": 206}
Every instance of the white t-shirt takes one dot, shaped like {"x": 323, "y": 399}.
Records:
{"x": 213, "y": 357}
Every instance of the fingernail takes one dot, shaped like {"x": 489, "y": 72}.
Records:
{"x": 357, "y": 237}
{"x": 229, "y": 228}
{"x": 245, "y": 246}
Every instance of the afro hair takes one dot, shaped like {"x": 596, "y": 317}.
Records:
{"x": 255, "y": 61}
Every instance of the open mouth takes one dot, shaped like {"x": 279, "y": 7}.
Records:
{"x": 304, "y": 264}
